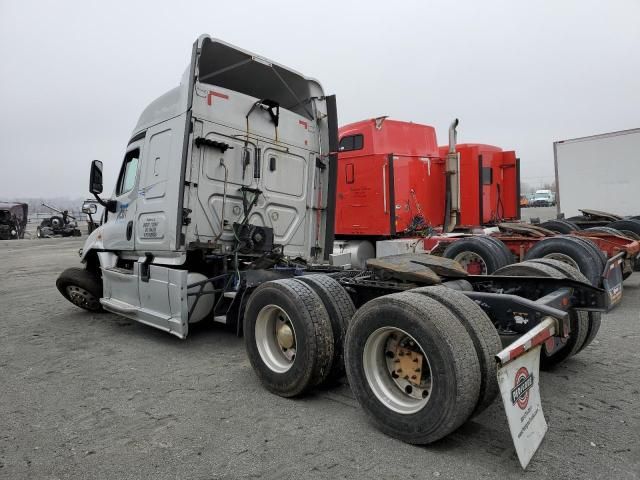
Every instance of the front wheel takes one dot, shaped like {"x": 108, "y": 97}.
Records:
{"x": 81, "y": 287}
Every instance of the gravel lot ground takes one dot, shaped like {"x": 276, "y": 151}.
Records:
{"x": 98, "y": 396}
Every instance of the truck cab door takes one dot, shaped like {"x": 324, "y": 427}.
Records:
{"x": 118, "y": 232}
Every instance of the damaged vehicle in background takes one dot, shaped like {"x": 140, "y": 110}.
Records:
{"x": 13, "y": 220}
{"x": 63, "y": 225}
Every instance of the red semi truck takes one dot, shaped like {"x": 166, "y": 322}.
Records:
{"x": 392, "y": 180}
{"x": 398, "y": 192}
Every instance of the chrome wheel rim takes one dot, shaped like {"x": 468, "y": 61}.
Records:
{"x": 561, "y": 257}
{"x": 82, "y": 298}
{"x": 275, "y": 338}
{"x": 472, "y": 263}
{"x": 397, "y": 370}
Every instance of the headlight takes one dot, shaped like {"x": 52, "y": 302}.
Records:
{"x": 13, "y": 232}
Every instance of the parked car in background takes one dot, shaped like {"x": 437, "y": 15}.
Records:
{"x": 543, "y": 198}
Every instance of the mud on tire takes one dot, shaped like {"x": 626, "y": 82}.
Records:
{"x": 449, "y": 372}
{"x": 288, "y": 337}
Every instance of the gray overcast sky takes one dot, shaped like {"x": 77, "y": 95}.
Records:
{"x": 75, "y": 75}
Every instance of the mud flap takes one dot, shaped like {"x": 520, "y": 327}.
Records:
{"x": 519, "y": 382}
{"x": 612, "y": 280}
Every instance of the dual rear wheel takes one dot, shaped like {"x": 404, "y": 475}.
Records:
{"x": 420, "y": 362}
{"x": 294, "y": 332}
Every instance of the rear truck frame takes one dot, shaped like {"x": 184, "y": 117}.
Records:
{"x": 224, "y": 211}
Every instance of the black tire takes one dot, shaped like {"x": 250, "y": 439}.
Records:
{"x": 482, "y": 332}
{"x": 621, "y": 233}
{"x": 452, "y": 361}
{"x": 560, "y": 226}
{"x": 582, "y": 254}
{"x": 312, "y": 332}
{"x": 501, "y": 246}
{"x": 579, "y": 320}
{"x": 82, "y": 288}
{"x": 628, "y": 224}
{"x": 595, "y": 318}
{"x": 340, "y": 308}
{"x": 593, "y": 247}
{"x": 489, "y": 254}
{"x": 77, "y": 233}
{"x": 609, "y": 230}
{"x": 528, "y": 269}
{"x": 56, "y": 222}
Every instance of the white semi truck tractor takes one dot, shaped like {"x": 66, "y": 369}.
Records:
{"x": 223, "y": 211}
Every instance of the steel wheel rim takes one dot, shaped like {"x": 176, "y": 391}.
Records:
{"x": 395, "y": 392}
{"x": 561, "y": 257}
{"x": 468, "y": 258}
{"x": 275, "y": 338}
{"x": 81, "y": 297}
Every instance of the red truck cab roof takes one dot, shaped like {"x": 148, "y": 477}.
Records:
{"x": 381, "y": 135}
{"x": 391, "y": 180}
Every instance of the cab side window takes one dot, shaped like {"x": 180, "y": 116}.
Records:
{"x": 351, "y": 142}
{"x": 128, "y": 174}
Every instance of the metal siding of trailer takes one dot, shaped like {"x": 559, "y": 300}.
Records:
{"x": 601, "y": 172}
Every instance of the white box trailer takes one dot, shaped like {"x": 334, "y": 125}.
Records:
{"x": 599, "y": 172}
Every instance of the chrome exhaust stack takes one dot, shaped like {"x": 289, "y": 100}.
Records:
{"x": 452, "y": 191}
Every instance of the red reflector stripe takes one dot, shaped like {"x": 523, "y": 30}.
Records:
{"x": 535, "y": 341}
{"x": 215, "y": 94}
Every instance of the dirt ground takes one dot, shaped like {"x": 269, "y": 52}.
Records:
{"x": 98, "y": 396}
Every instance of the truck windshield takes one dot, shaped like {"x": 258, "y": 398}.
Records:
{"x": 226, "y": 67}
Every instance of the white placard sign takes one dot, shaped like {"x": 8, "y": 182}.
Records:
{"x": 519, "y": 382}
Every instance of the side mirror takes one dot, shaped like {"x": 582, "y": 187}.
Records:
{"x": 89, "y": 207}
{"x": 95, "y": 178}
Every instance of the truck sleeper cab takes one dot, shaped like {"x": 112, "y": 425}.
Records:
{"x": 220, "y": 170}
